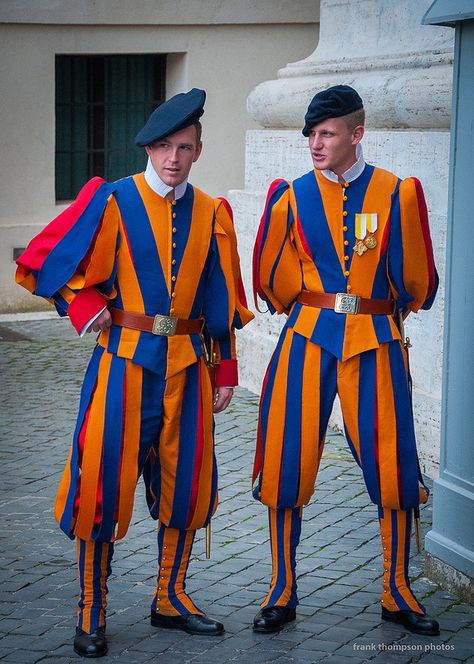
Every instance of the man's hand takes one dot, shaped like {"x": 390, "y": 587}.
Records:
{"x": 102, "y": 322}
{"x": 222, "y": 398}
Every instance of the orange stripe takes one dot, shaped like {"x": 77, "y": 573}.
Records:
{"x": 285, "y": 596}
{"x": 169, "y": 442}
{"x": 331, "y": 196}
{"x": 415, "y": 261}
{"x": 347, "y": 378}
{"x": 387, "y": 431}
{"x": 205, "y": 474}
{"x": 131, "y": 445}
{"x": 158, "y": 210}
{"x": 310, "y": 413}
{"x": 63, "y": 489}
{"x": 195, "y": 252}
{"x": 377, "y": 199}
{"x": 92, "y": 455}
{"x": 274, "y": 551}
{"x": 275, "y": 428}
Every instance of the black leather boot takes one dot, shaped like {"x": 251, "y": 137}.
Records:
{"x": 90, "y": 645}
{"x": 273, "y": 618}
{"x": 192, "y": 623}
{"x": 419, "y": 623}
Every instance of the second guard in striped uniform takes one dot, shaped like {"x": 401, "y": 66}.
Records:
{"x": 345, "y": 252}
{"x": 151, "y": 263}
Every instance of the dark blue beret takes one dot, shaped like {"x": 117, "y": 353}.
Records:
{"x": 182, "y": 110}
{"x": 331, "y": 103}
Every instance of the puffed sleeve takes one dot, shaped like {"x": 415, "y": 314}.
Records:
{"x": 225, "y": 303}
{"x": 277, "y": 277}
{"x": 72, "y": 261}
{"x": 411, "y": 268}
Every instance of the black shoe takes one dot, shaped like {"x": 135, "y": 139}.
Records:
{"x": 192, "y": 623}
{"x": 272, "y": 618}
{"x": 90, "y": 645}
{"x": 419, "y": 623}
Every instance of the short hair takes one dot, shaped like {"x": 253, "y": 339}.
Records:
{"x": 198, "y": 126}
{"x": 355, "y": 118}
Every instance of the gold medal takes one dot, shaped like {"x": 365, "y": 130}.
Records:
{"x": 370, "y": 242}
{"x": 360, "y": 248}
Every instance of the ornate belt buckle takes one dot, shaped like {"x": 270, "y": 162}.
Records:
{"x": 347, "y": 303}
{"x": 164, "y": 326}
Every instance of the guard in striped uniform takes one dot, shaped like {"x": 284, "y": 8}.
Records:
{"x": 150, "y": 262}
{"x": 345, "y": 252}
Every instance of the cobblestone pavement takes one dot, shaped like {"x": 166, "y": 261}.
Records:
{"x": 339, "y": 568}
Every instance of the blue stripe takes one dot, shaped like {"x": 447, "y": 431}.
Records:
{"x": 80, "y": 563}
{"x": 279, "y": 535}
{"x": 275, "y": 197}
{"x": 316, "y": 231}
{"x": 143, "y": 248}
{"x": 289, "y": 221}
{"x": 366, "y": 421}
{"x": 96, "y": 592}
{"x": 329, "y": 331}
{"x": 395, "y": 251}
{"x": 406, "y": 444}
{"x": 174, "y": 601}
{"x": 355, "y": 193}
{"x": 327, "y": 390}
{"x": 400, "y": 602}
{"x": 88, "y": 386}
{"x": 63, "y": 259}
{"x": 111, "y": 447}
{"x": 216, "y": 297}
{"x": 265, "y": 403}
{"x": 290, "y": 463}
{"x": 187, "y": 449}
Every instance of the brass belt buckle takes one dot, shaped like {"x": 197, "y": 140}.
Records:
{"x": 164, "y": 326}
{"x": 347, "y": 303}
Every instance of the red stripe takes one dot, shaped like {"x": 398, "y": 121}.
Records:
{"x": 240, "y": 285}
{"x": 198, "y": 453}
{"x": 257, "y": 287}
{"x": 258, "y": 461}
{"x": 40, "y": 246}
{"x": 426, "y": 234}
{"x": 226, "y": 204}
{"x": 386, "y": 235}
{"x": 303, "y": 239}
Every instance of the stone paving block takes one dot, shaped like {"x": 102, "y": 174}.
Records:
{"x": 339, "y": 568}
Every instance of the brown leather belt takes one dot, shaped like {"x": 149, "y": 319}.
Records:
{"x": 165, "y": 326}
{"x": 346, "y": 303}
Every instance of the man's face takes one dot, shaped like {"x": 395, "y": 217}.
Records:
{"x": 173, "y": 156}
{"x": 333, "y": 144}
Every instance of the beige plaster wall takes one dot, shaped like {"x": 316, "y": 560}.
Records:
{"x": 227, "y": 60}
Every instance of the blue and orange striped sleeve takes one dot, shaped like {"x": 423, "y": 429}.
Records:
{"x": 225, "y": 302}
{"x": 411, "y": 265}
{"x": 277, "y": 277}
{"x": 72, "y": 261}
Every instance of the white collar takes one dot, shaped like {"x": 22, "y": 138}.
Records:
{"x": 353, "y": 172}
{"x": 159, "y": 187}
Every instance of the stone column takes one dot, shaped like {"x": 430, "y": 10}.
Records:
{"x": 403, "y": 72}
{"x": 450, "y": 543}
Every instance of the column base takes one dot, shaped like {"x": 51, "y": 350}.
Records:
{"x": 449, "y": 578}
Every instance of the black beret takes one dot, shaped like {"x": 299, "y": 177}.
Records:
{"x": 331, "y": 103}
{"x": 182, "y": 110}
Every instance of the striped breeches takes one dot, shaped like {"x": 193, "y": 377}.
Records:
{"x": 132, "y": 421}
{"x": 299, "y": 389}
{"x": 395, "y": 530}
